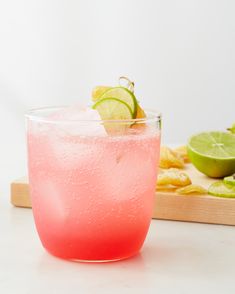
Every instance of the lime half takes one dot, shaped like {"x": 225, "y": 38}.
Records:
{"x": 124, "y": 95}
{"x": 213, "y": 153}
{"x": 220, "y": 189}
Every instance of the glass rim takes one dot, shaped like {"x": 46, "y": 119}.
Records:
{"x": 34, "y": 114}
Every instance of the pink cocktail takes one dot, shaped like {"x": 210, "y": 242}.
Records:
{"x": 92, "y": 193}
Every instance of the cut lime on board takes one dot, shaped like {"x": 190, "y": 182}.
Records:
{"x": 220, "y": 189}
{"x": 124, "y": 95}
{"x": 213, "y": 153}
{"x": 230, "y": 180}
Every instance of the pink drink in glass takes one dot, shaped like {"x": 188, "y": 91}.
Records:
{"x": 92, "y": 195}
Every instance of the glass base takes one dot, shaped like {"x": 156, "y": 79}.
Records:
{"x": 95, "y": 260}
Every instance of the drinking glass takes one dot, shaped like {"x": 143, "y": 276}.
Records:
{"x": 92, "y": 183}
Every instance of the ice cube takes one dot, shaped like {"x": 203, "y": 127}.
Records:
{"x": 80, "y": 120}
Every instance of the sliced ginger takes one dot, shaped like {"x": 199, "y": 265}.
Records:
{"x": 182, "y": 152}
{"x": 166, "y": 188}
{"x": 192, "y": 190}
{"x": 173, "y": 177}
{"x": 140, "y": 112}
{"x": 169, "y": 158}
{"x": 175, "y": 180}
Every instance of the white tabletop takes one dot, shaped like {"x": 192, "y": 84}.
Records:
{"x": 177, "y": 257}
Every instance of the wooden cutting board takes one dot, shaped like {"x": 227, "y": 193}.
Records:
{"x": 168, "y": 205}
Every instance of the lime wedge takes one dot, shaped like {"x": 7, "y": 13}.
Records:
{"x": 220, "y": 189}
{"x": 213, "y": 153}
{"x": 124, "y": 95}
{"x": 230, "y": 180}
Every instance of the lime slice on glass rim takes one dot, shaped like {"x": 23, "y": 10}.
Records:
{"x": 124, "y": 95}
{"x": 112, "y": 111}
{"x": 230, "y": 180}
{"x": 232, "y": 129}
{"x": 221, "y": 189}
{"x": 111, "y": 108}
{"x": 213, "y": 153}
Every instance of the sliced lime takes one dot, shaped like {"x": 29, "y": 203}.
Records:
{"x": 232, "y": 129}
{"x": 230, "y": 180}
{"x": 220, "y": 189}
{"x": 124, "y": 95}
{"x": 112, "y": 111}
{"x": 213, "y": 153}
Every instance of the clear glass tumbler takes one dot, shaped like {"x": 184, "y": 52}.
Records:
{"x": 92, "y": 183}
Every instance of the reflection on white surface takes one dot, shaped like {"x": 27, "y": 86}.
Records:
{"x": 177, "y": 257}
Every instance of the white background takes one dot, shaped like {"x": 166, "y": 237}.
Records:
{"x": 181, "y": 55}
